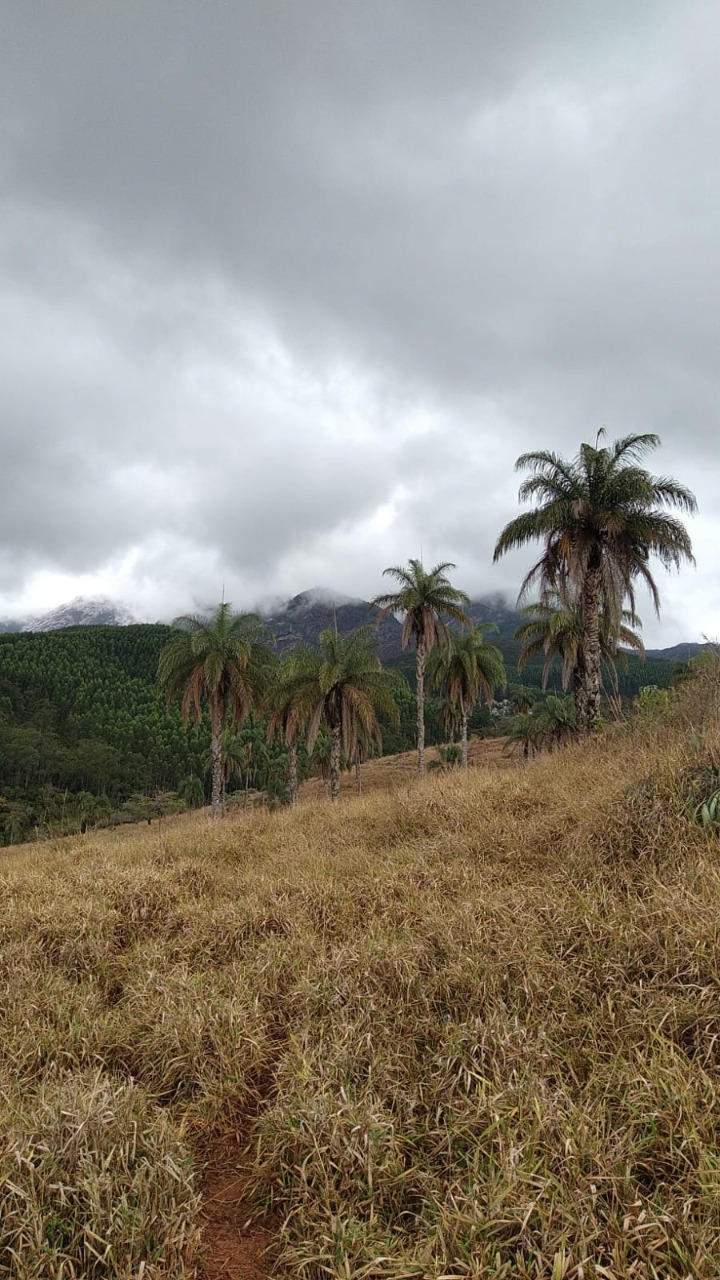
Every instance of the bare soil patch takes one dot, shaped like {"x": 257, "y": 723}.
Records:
{"x": 237, "y": 1239}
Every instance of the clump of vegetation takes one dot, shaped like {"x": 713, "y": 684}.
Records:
{"x": 474, "y": 1024}
{"x": 94, "y": 1183}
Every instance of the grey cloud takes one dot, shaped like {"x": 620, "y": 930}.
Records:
{"x": 497, "y": 218}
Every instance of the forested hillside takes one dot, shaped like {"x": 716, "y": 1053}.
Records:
{"x": 84, "y": 736}
{"x": 82, "y": 728}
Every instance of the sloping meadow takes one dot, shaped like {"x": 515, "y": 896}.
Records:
{"x": 476, "y": 1025}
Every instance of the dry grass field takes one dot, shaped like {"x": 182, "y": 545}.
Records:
{"x": 391, "y": 773}
{"x": 464, "y": 1030}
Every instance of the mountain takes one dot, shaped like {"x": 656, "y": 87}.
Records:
{"x": 678, "y": 652}
{"x": 81, "y": 612}
{"x": 301, "y": 620}
{"x": 495, "y": 609}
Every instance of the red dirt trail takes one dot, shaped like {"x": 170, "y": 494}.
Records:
{"x": 237, "y": 1240}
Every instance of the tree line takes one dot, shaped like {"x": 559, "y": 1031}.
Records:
{"x": 599, "y": 517}
{"x": 85, "y": 738}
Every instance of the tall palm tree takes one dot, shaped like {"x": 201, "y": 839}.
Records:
{"x": 291, "y": 704}
{"x": 348, "y": 690}
{"x": 425, "y": 598}
{"x": 600, "y": 516}
{"x": 467, "y": 668}
{"x": 234, "y": 758}
{"x": 554, "y": 626}
{"x": 224, "y": 661}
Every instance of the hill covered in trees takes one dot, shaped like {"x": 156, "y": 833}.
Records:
{"x": 85, "y": 737}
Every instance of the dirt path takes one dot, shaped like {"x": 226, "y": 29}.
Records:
{"x": 237, "y": 1239}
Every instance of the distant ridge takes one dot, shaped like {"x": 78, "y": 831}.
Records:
{"x": 81, "y": 612}
{"x": 677, "y": 653}
{"x": 301, "y": 619}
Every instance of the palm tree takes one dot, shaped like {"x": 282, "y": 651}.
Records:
{"x": 601, "y": 517}
{"x": 554, "y": 626}
{"x": 523, "y": 734}
{"x": 467, "y": 668}
{"x": 192, "y": 791}
{"x": 555, "y": 722}
{"x": 346, "y": 693}
{"x": 425, "y": 599}
{"x": 524, "y": 699}
{"x": 224, "y": 660}
{"x": 449, "y": 718}
{"x": 291, "y": 704}
{"x": 234, "y": 757}
{"x": 320, "y": 758}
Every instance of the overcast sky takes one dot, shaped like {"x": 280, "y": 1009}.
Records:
{"x": 285, "y": 288}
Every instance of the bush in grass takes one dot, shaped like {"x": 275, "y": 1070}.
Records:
{"x": 95, "y": 1184}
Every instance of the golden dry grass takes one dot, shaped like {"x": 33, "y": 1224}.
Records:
{"x": 477, "y": 1024}
{"x": 393, "y": 773}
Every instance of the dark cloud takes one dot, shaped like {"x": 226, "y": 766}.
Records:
{"x": 285, "y": 289}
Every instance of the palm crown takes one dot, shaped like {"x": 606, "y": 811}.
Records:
{"x": 601, "y": 516}
{"x": 600, "y": 510}
{"x": 344, "y": 686}
{"x": 554, "y": 626}
{"x": 224, "y": 659}
{"x": 468, "y": 668}
{"x": 425, "y": 598}
{"x": 352, "y": 687}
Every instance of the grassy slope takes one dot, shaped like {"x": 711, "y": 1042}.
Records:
{"x": 482, "y": 1018}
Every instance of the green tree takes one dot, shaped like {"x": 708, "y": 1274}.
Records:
{"x": 554, "y": 626}
{"x": 523, "y": 734}
{"x": 425, "y": 599}
{"x": 466, "y": 669}
{"x": 291, "y": 704}
{"x": 554, "y": 722}
{"x": 524, "y": 698}
{"x": 600, "y": 516}
{"x": 346, "y": 692}
{"x": 192, "y": 791}
{"x": 224, "y": 661}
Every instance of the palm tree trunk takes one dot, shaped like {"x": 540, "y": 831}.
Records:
{"x": 358, "y": 779}
{"x": 335, "y": 764}
{"x": 292, "y": 772}
{"x": 591, "y": 625}
{"x": 464, "y": 738}
{"x": 216, "y": 728}
{"x": 420, "y": 659}
{"x": 580, "y": 697}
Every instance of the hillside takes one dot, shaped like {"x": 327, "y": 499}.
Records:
{"x": 467, "y": 1029}
{"x": 84, "y": 737}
